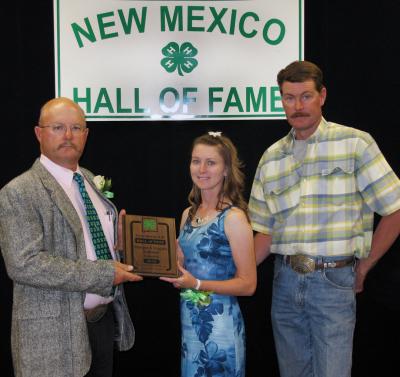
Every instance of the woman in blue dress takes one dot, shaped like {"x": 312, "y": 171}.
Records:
{"x": 216, "y": 249}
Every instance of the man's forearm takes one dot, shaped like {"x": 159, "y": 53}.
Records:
{"x": 262, "y": 244}
{"x": 386, "y": 233}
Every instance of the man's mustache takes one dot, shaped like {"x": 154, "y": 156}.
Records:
{"x": 299, "y": 115}
{"x": 66, "y": 144}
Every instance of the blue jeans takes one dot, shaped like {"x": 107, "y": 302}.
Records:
{"x": 313, "y": 319}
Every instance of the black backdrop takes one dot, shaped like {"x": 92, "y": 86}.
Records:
{"x": 356, "y": 45}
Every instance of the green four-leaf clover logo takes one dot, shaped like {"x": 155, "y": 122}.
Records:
{"x": 181, "y": 58}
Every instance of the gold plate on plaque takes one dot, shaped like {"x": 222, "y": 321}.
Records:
{"x": 149, "y": 245}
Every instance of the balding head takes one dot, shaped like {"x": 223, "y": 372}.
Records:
{"x": 56, "y": 104}
{"x": 62, "y": 132}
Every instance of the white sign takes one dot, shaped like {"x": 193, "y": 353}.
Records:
{"x": 173, "y": 60}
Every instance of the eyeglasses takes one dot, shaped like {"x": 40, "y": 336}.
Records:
{"x": 61, "y": 129}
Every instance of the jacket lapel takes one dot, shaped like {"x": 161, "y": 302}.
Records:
{"x": 59, "y": 197}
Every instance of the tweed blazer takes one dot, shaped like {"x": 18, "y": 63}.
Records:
{"x": 42, "y": 242}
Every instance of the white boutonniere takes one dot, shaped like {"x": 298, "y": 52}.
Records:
{"x": 103, "y": 185}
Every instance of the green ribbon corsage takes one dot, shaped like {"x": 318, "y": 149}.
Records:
{"x": 200, "y": 298}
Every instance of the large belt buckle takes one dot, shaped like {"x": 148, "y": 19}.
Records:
{"x": 302, "y": 264}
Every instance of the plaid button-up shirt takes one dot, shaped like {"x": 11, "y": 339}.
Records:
{"x": 325, "y": 204}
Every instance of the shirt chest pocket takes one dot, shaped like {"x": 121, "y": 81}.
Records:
{"x": 336, "y": 183}
{"x": 283, "y": 196}
{"x": 337, "y": 168}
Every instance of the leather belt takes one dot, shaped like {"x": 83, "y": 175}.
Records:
{"x": 303, "y": 264}
{"x": 95, "y": 314}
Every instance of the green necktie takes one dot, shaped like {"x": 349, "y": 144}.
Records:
{"x": 96, "y": 230}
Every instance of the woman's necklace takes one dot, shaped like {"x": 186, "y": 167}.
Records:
{"x": 200, "y": 220}
{"x": 209, "y": 214}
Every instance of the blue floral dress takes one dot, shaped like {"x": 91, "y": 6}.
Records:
{"x": 213, "y": 335}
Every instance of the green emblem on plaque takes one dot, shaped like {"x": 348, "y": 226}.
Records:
{"x": 149, "y": 225}
{"x": 181, "y": 58}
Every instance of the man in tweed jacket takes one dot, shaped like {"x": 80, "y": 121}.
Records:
{"x": 45, "y": 249}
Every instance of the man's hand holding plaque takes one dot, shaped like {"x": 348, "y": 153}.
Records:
{"x": 149, "y": 245}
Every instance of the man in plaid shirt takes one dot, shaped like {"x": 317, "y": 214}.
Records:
{"x": 312, "y": 205}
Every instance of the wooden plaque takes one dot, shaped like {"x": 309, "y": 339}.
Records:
{"x": 149, "y": 245}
